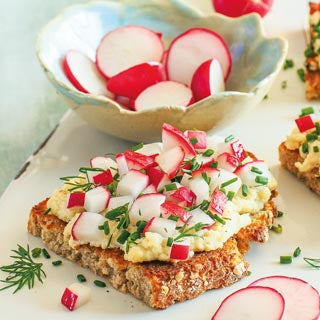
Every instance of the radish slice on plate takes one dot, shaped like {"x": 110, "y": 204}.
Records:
{"x": 251, "y": 303}
{"x": 83, "y": 74}
{"x": 193, "y": 47}
{"x": 207, "y": 80}
{"x": 302, "y": 300}
{"x": 164, "y": 94}
{"x": 126, "y": 47}
{"x": 131, "y": 82}
{"x": 75, "y": 296}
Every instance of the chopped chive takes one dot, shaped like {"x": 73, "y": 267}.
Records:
{"x": 229, "y": 138}
{"x": 284, "y": 84}
{"x": 116, "y": 212}
{"x": 170, "y": 187}
{"x": 306, "y": 111}
{"x": 288, "y": 64}
{"x": 313, "y": 262}
{"x": 280, "y": 214}
{"x": 46, "y": 253}
{"x": 262, "y": 180}
{"x": 140, "y": 225}
{"x": 214, "y": 164}
{"x": 81, "y": 278}
{"x": 99, "y": 283}
{"x": 311, "y": 137}
{"x": 249, "y": 273}
{"x": 244, "y": 190}
{"x": 230, "y": 195}
{"x": 193, "y": 141}
{"x": 105, "y": 227}
{"x": 208, "y": 153}
{"x": 265, "y": 97}
{"x": 217, "y": 218}
{"x": 315, "y": 149}
{"x": 137, "y": 147}
{"x": 109, "y": 241}
{"x": 305, "y": 147}
{"x": 116, "y": 176}
{"x": 36, "y": 252}
{"x": 285, "y": 259}
{"x": 47, "y": 211}
{"x": 57, "y": 263}
{"x": 317, "y": 124}
{"x": 134, "y": 236}
{"x": 296, "y": 252}
{"x": 169, "y": 242}
{"x": 173, "y": 218}
{"x": 123, "y": 236}
{"x": 204, "y": 205}
{"x": 229, "y": 182}
{"x": 308, "y": 52}
{"x": 85, "y": 169}
{"x": 205, "y": 177}
{"x": 277, "y": 229}
{"x": 301, "y": 74}
{"x": 256, "y": 170}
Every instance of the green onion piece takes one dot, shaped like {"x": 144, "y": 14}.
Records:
{"x": 193, "y": 141}
{"x": 170, "y": 187}
{"x": 317, "y": 124}
{"x": 47, "y": 211}
{"x": 288, "y": 64}
{"x": 229, "y": 138}
{"x": 311, "y": 137}
{"x": 308, "y": 52}
{"x": 280, "y": 214}
{"x": 285, "y": 259}
{"x": 109, "y": 241}
{"x": 217, "y": 218}
{"x": 116, "y": 176}
{"x": 99, "y": 283}
{"x": 277, "y": 229}
{"x": 306, "y": 111}
{"x": 296, "y": 252}
{"x": 141, "y": 225}
{"x": 256, "y": 170}
{"x": 205, "y": 177}
{"x": 116, "y": 212}
{"x": 173, "y": 218}
{"x": 265, "y": 97}
{"x": 169, "y": 242}
{"x": 106, "y": 228}
{"x": 57, "y": 263}
{"x": 45, "y": 253}
{"x": 315, "y": 149}
{"x": 123, "y": 236}
{"x": 208, "y": 153}
{"x": 81, "y": 278}
{"x": 244, "y": 190}
{"x": 36, "y": 252}
{"x": 214, "y": 165}
{"x": 134, "y": 236}
{"x": 305, "y": 147}
{"x": 204, "y": 205}
{"x": 249, "y": 273}
{"x": 85, "y": 169}
{"x": 230, "y": 195}
{"x": 313, "y": 262}
{"x": 301, "y": 74}
{"x": 262, "y": 180}
{"x": 137, "y": 147}
{"x": 229, "y": 182}
{"x": 284, "y": 84}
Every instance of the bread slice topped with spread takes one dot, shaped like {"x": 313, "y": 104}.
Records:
{"x": 165, "y": 221}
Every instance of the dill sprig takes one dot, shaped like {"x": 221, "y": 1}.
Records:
{"x": 24, "y": 271}
{"x": 315, "y": 263}
{"x": 189, "y": 232}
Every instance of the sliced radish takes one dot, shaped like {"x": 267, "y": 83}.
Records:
{"x": 75, "y": 199}
{"x": 173, "y": 137}
{"x": 85, "y": 228}
{"x": 101, "y": 178}
{"x": 200, "y": 188}
{"x": 170, "y": 161}
{"x": 305, "y": 123}
{"x": 151, "y": 149}
{"x": 184, "y": 196}
{"x": 150, "y": 189}
{"x": 302, "y": 300}
{"x": 83, "y": 74}
{"x": 170, "y": 208}
{"x": 131, "y": 82}
{"x": 198, "y": 137}
{"x": 137, "y": 160}
{"x": 180, "y": 250}
{"x": 164, "y": 94}
{"x": 146, "y": 207}
{"x": 126, "y": 47}
{"x": 254, "y": 173}
{"x": 237, "y": 150}
{"x": 212, "y": 173}
{"x": 205, "y": 162}
{"x": 97, "y": 199}
{"x": 185, "y": 179}
{"x": 122, "y": 164}
{"x": 116, "y": 202}
{"x": 75, "y": 296}
{"x": 226, "y": 180}
{"x": 251, "y": 303}
{"x": 227, "y": 161}
{"x": 207, "y": 80}
{"x": 104, "y": 163}
{"x": 218, "y": 202}
{"x": 158, "y": 178}
{"x": 164, "y": 227}
{"x": 132, "y": 183}
{"x": 198, "y": 216}
{"x": 193, "y": 47}
{"x": 124, "y": 102}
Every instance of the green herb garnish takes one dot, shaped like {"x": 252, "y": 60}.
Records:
{"x": 123, "y": 236}
{"x": 306, "y": 111}
{"x": 189, "y": 232}
{"x": 301, "y": 74}
{"x": 36, "y": 252}
{"x": 81, "y": 278}
{"x": 217, "y": 218}
{"x": 230, "y": 195}
{"x": 262, "y": 180}
{"x": 313, "y": 262}
{"x": 229, "y": 138}
{"x": 245, "y": 190}
{"x": 206, "y": 178}
{"x": 208, "y": 153}
{"x": 228, "y": 182}
{"x": 288, "y": 64}
{"x": 285, "y": 259}
{"x": 99, "y": 283}
{"x": 105, "y": 227}
{"x": 204, "y": 206}
{"x": 315, "y": 149}
{"x": 308, "y": 52}
{"x": 141, "y": 225}
{"x": 296, "y": 252}
{"x": 137, "y": 147}
{"x": 169, "y": 242}
{"x": 57, "y": 263}
{"x": 256, "y": 170}
{"x": 280, "y": 214}
{"x": 170, "y": 187}
{"x": 193, "y": 141}
{"x": 305, "y": 147}
{"x": 311, "y": 137}
{"x": 116, "y": 212}
{"x": 284, "y": 84}
{"x": 277, "y": 229}
{"x": 214, "y": 164}
{"x": 45, "y": 253}
{"x": 47, "y": 211}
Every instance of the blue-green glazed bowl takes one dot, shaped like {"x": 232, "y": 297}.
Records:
{"x": 256, "y": 62}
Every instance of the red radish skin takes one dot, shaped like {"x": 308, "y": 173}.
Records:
{"x": 75, "y": 296}
{"x": 179, "y": 251}
{"x": 184, "y": 196}
{"x": 124, "y": 102}
{"x": 211, "y": 172}
{"x": 103, "y": 178}
{"x": 252, "y": 303}
{"x": 138, "y": 161}
{"x": 69, "y": 299}
{"x": 305, "y": 123}
{"x": 302, "y": 300}
{"x": 73, "y": 234}
{"x": 158, "y": 178}
{"x": 164, "y": 94}
{"x": 237, "y": 8}
{"x": 227, "y": 161}
{"x": 131, "y": 82}
{"x": 122, "y": 164}
{"x": 170, "y": 208}
{"x": 200, "y": 136}
{"x": 238, "y": 150}
{"x": 207, "y": 80}
{"x": 126, "y": 47}
{"x": 218, "y": 201}
{"x": 75, "y": 199}
{"x": 83, "y": 74}
{"x": 147, "y": 227}
{"x": 193, "y": 47}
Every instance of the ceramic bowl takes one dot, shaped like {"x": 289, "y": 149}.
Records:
{"x": 256, "y": 62}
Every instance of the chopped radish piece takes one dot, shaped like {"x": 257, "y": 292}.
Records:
{"x": 126, "y": 47}
{"x": 194, "y": 47}
{"x": 116, "y": 202}
{"x": 104, "y": 163}
{"x": 164, "y": 94}
{"x": 198, "y": 137}
{"x": 185, "y": 179}
{"x": 207, "y": 80}
{"x": 226, "y": 180}
{"x": 302, "y": 300}
{"x": 204, "y": 161}
{"x": 122, "y": 164}
{"x": 212, "y": 173}
{"x": 132, "y": 183}
{"x": 97, "y": 199}
{"x": 254, "y": 173}
{"x": 164, "y": 227}
{"x": 124, "y": 102}
{"x": 83, "y": 74}
{"x": 158, "y": 178}
{"x": 200, "y": 188}
{"x": 252, "y": 303}
{"x": 170, "y": 208}
{"x": 137, "y": 160}
{"x": 75, "y": 199}
{"x": 218, "y": 202}
{"x": 184, "y": 197}
{"x": 227, "y": 161}
{"x": 172, "y": 137}
{"x": 75, "y": 296}
{"x": 102, "y": 178}
{"x": 85, "y": 228}
{"x": 146, "y": 207}
{"x": 305, "y": 123}
{"x": 151, "y": 149}
{"x": 170, "y": 161}
{"x": 131, "y": 82}
{"x": 180, "y": 251}
{"x": 150, "y": 189}
{"x": 237, "y": 150}
{"x": 197, "y": 215}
